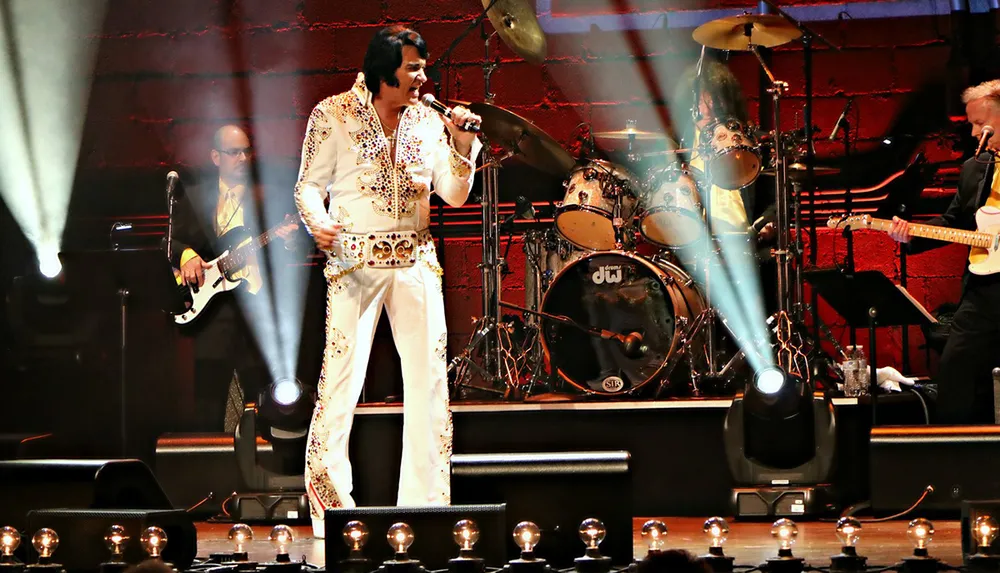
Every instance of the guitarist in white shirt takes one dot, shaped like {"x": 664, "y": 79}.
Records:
{"x": 963, "y": 378}
{"x": 223, "y": 341}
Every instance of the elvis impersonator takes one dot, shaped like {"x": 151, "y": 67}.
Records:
{"x": 376, "y": 155}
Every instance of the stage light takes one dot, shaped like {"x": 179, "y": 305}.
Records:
{"x": 592, "y": 532}
{"x": 848, "y": 531}
{"x": 717, "y": 531}
{"x": 281, "y": 537}
{"x": 10, "y": 540}
{"x": 115, "y": 540}
{"x": 654, "y": 535}
{"x": 400, "y": 537}
{"x": 526, "y": 536}
{"x": 240, "y": 535}
{"x": 48, "y": 261}
{"x": 355, "y": 535}
{"x": 466, "y": 534}
{"x": 920, "y": 532}
{"x": 285, "y": 408}
{"x": 785, "y": 532}
{"x": 984, "y": 529}
{"x": 45, "y": 541}
{"x": 153, "y": 541}
{"x": 286, "y": 391}
{"x": 769, "y": 380}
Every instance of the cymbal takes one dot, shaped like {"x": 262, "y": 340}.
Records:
{"x": 520, "y": 136}
{"x": 631, "y": 133}
{"x": 517, "y": 24}
{"x": 798, "y": 170}
{"x": 738, "y": 32}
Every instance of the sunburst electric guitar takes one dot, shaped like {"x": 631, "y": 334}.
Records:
{"x": 986, "y": 237}
{"x": 238, "y": 250}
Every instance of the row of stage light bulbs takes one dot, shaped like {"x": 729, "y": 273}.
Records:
{"x": 153, "y": 541}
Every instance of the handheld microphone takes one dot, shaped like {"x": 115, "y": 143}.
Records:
{"x": 431, "y": 102}
{"x": 840, "y": 120}
{"x": 984, "y": 136}
{"x": 632, "y": 345}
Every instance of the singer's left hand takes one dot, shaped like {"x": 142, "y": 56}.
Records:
{"x": 462, "y": 139}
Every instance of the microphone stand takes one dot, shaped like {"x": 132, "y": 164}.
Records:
{"x": 170, "y": 223}
{"x": 433, "y": 70}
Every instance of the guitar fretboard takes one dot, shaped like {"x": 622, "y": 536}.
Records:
{"x": 971, "y": 238}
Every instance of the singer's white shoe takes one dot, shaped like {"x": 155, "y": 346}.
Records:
{"x": 319, "y": 528}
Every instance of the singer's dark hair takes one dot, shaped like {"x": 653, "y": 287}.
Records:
{"x": 721, "y": 85}
{"x": 385, "y": 55}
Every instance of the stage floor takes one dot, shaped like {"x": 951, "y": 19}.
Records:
{"x": 750, "y": 543}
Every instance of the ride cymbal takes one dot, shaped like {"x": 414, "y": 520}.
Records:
{"x": 525, "y": 139}
{"x": 739, "y": 32}
{"x": 631, "y": 133}
{"x": 517, "y": 24}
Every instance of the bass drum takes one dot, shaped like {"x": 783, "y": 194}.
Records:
{"x": 625, "y": 293}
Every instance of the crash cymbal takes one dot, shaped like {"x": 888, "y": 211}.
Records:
{"x": 631, "y": 133}
{"x": 518, "y": 27}
{"x": 523, "y": 138}
{"x": 738, "y": 32}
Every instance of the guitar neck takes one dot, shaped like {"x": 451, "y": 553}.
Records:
{"x": 237, "y": 258}
{"x": 947, "y": 234}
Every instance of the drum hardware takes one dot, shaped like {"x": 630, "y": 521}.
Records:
{"x": 598, "y": 206}
{"x": 631, "y": 342}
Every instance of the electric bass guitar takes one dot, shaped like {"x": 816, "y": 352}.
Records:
{"x": 219, "y": 275}
{"x": 986, "y": 237}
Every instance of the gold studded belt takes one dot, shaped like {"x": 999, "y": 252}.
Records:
{"x": 388, "y": 250}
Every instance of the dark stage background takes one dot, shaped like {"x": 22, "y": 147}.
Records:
{"x": 169, "y": 73}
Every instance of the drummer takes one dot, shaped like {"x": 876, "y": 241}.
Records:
{"x": 721, "y": 98}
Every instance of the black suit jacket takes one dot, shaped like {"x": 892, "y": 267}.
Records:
{"x": 194, "y": 218}
{"x": 974, "y": 183}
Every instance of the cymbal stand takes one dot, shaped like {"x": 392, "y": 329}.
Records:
{"x": 499, "y": 363}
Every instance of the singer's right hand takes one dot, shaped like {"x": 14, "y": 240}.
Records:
{"x": 900, "y": 230}
{"x": 326, "y": 235}
{"x": 193, "y": 271}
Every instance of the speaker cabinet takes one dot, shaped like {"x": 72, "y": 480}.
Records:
{"x": 958, "y": 462}
{"x": 76, "y": 484}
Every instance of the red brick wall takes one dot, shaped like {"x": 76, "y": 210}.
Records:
{"x": 169, "y": 72}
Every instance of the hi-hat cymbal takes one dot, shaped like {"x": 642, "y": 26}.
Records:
{"x": 517, "y": 24}
{"x": 520, "y": 136}
{"x": 631, "y": 133}
{"x": 739, "y": 32}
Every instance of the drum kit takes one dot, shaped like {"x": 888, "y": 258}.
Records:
{"x": 600, "y": 318}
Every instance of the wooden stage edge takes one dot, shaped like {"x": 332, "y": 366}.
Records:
{"x": 884, "y": 543}
{"x": 374, "y": 408}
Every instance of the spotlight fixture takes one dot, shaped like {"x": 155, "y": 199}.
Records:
{"x": 848, "y": 560}
{"x": 592, "y": 533}
{"x": 717, "y": 531}
{"x": 153, "y": 541}
{"x": 984, "y": 532}
{"x": 355, "y": 536}
{"x": 466, "y": 534}
{"x": 785, "y": 532}
{"x": 240, "y": 535}
{"x": 654, "y": 535}
{"x": 400, "y": 538}
{"x": 769, "y": 380}
{"x": 48, "y": 263}
{"x": 920, "y": 532}
{"x": 527, "y": 536}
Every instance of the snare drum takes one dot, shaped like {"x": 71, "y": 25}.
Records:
{"x": 586, "y": 215}
{"x": 671, "y": 213}
{"x": 733, "y": 161}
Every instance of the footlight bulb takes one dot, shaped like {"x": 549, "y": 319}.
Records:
{"x": 45, "y": 541}
{"x": 355, "y": 535}
{"x": 400, "y": 537}
{"x": 526, "y": 535}
{"x": 10, "y": 540}
{"x": 654, "y": 535}
{"x": 920, "y": 531}
{"x": 154, "y": 541}
{"x": 115, "y": 540}
{"x": 281, "y": 538}
{"x": 985, "y": 530}
{"x": 784, "y": 531}
{"x": 717, "y": 531}
{"x": 240, "y": 535}
{"x": 466, "y": 534}
{"x": 848, "y": 531}
{"x": 592, "y": 532}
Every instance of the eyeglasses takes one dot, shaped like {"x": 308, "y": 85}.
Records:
{"x": 235, "y": 152}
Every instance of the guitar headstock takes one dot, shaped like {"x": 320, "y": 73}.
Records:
{"x": 849, "y": 222}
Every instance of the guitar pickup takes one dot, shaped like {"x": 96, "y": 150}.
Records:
{"x": 218, "y": 281}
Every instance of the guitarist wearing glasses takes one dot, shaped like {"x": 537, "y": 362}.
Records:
{"x": 964, "y": 387}
{"x": 211, "y": 220}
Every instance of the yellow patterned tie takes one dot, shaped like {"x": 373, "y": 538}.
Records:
{"x": 978, "y": 254}
{"x": 229, "y": 215}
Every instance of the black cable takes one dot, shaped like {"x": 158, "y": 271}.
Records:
{"x": 927, "y": 413}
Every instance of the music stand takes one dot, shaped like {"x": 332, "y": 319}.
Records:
{"x": 133, "y": 276}
{"x": 868, "y": 299}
